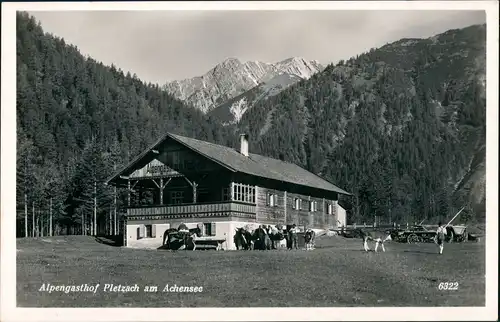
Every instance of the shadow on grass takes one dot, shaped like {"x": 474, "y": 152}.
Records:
{"x": 110, "y": 240}
{"x": 418, "y": 251}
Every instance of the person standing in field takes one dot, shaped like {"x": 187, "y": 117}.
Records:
{"x": 440, "y": 235}
{"x": 294, "y": 238}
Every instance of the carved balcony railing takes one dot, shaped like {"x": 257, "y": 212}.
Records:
{"x": 196, "y": 210}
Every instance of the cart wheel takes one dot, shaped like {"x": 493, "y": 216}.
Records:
{"x": 412, "y": 239}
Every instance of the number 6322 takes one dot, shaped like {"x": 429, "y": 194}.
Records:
{"x": 448, "y": 286}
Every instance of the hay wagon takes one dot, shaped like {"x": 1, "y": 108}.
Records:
{"x": 416, "y": 234}
{"x": 422, "y": 234}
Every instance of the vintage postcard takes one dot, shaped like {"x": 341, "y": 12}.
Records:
{"x": 207, "y": 161}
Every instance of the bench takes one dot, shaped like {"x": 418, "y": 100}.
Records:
{"x": 205, "y": 243}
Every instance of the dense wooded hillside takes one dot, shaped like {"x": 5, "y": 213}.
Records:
{"x": 77, "y": 120}
{"x": 402, "y": 127}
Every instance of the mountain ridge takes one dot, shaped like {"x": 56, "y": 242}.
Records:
{"x": 232, "y": 77}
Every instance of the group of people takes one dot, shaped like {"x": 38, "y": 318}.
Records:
{"x": 272, "y": 237}
{"x": 290, "y": 235}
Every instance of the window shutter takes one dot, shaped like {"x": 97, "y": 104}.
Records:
{"x": 276, "y": 200}
{"x": 212, "y": 228}
{"x": 268, "y": 199}
{"x": 153, "y": 231}
{"x": 141, "y": 231}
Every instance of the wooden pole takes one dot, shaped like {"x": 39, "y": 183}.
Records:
{"x": 458, "y": 213}
{"x": 195, "y": 193}
{"x": 25, "y": 215}
{"x": 161, "y": 191}
{"x": 95, "y": 207}
{"x": 115, "y": 226}
{"x": 50, "y": 218}
{"x": 33, "y": 228}
{"x": 40, "y": 217}
{"x": 129, "y": 188}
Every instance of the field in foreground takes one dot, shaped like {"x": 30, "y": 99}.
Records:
{"x": 336, "y": 273}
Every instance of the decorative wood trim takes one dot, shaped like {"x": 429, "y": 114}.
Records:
{"x": 132, "y": 188}
{"x": 128, "y": 190}
{"x": 161, "y": 191}
{"x": 168, "y": 181}
{"x": 194, "y": 215}
{"x": 188, "y": 181}
{"x": 195, "y": 193}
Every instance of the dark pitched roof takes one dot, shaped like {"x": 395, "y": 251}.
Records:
{"x": 254, "y": 164}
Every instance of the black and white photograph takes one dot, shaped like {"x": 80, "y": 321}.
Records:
{"x": 326, "y": 158}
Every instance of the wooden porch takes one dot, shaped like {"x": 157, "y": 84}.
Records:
{"x": 193, "y": 210}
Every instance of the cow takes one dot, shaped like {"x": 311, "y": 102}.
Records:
{"x": 378, "y": 237}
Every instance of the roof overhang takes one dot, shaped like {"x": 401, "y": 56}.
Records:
{"x": 148, "y": 155}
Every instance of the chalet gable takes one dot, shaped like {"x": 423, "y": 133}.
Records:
{"x": 217, "y": 156}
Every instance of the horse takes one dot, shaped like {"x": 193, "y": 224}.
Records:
{"x": 176, "y": 239}
{"x": 243, "y": 239}
{"x": 166, "y": 234}
{"x": 262, "y": 240}
{"x": 377, "y": 236}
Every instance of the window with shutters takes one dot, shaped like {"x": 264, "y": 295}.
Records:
{"x": 313, "y": 206}
{"x": 296, "y": 203}
{"x": 177, "y": 197}
{"x": 209, "y": 229}
{"x": 330, "y": 209}
{"x": 272, "y": 199}
{"x": 148, "y": 231}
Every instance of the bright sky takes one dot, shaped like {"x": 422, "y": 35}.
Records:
{"x": 161, "y": 46}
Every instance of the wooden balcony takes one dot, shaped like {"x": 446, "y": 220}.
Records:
{"x": 196, "y": 210}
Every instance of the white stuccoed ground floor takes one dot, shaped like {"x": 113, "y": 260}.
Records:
{"x": 218, "y": 229}
{"x": 138, "y": 236}
{"x": 148, "y": 232}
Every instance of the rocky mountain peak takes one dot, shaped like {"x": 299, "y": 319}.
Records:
{"x": 232, "y": 77}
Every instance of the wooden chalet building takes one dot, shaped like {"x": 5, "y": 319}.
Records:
{"x": 196, "y": 182}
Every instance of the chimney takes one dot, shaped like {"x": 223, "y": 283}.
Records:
{"x": 244, "y": 144}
